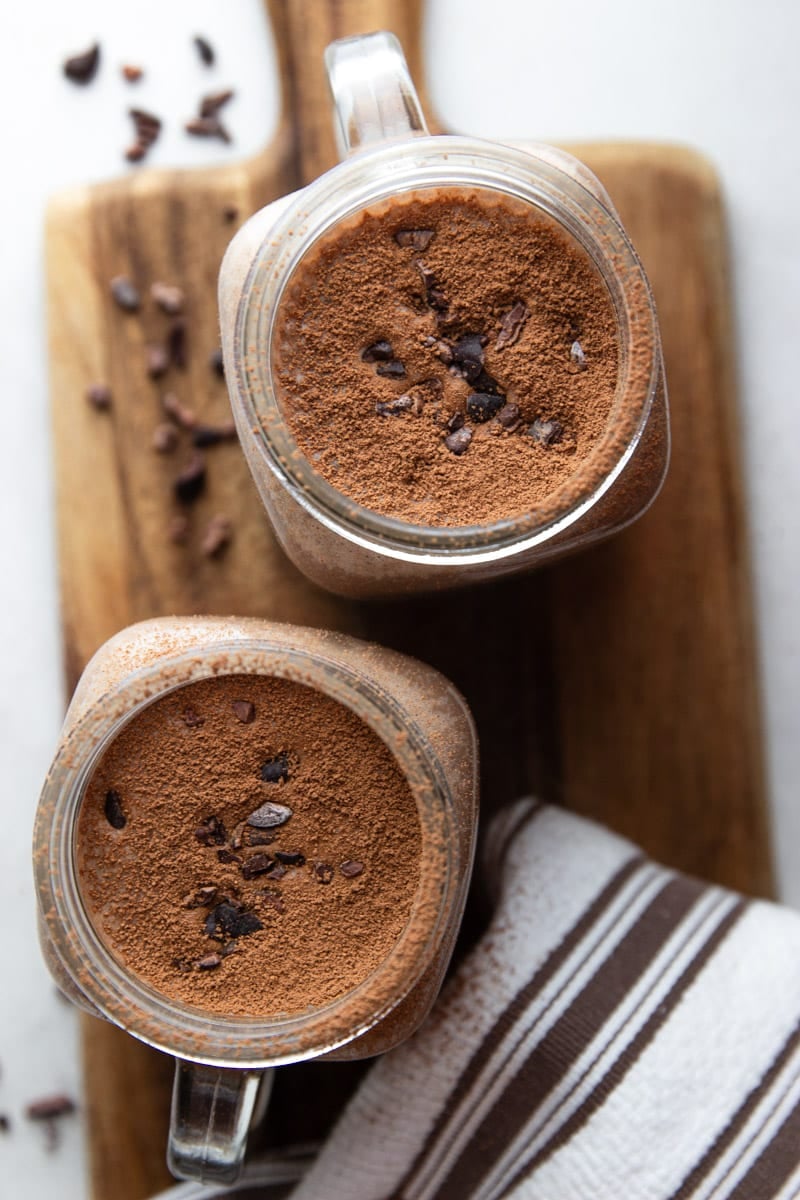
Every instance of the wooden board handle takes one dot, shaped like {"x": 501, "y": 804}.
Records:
{"x": 302, "y": 29}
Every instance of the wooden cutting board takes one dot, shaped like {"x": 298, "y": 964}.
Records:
{"x": 621, "y": 683}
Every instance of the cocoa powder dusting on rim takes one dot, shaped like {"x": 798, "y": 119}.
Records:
{"x": 488, "y": 307}
{"x": 278, "y": 941}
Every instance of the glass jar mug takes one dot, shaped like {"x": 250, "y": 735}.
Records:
{"x": 223, "y": 1060}
{"x": 388, "y": 153}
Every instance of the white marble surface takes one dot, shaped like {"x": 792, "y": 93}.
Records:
{"x": 624, "y": 69}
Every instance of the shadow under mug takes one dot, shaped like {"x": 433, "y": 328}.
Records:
{"x": 222, "y": 1063}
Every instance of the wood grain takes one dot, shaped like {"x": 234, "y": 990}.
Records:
{"x": 620, "y": 682}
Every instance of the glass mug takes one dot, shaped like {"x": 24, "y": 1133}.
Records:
{"x": 387, "y": 151}
{"x": 222, "y": 1062}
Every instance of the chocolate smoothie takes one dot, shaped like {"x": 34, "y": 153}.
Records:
{"x": 248, "y": 846}
{"x": 448, "y": 358}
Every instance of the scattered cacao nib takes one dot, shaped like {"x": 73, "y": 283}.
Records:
{"x": 176, "y": 343}
{"x": 546, "y": 432}
{"x": 183, "y": 965}
{"x": 217, "y": 363}
{"x": 230, "y": 948}
{"x": 205, "y": 50}
{"x": 156, "y": 359}
{"x": 229, "y": 213}
{"x": 244, "y": 711}
{"x": 146, "y": 127}
{"x": 212, "y": 435}
{"x": 207, "y": 127}
{"x": 445, "y": 351}
{"x": 217, "y": 537}
{"x": 209, "y": 962}
{"x": 191, "y": 481}
{"x": 468, "y": 356}
{"x": 276, "y": 871}
{"x": 191, "y": 718}
{"x": 237, "y": 837}
{"x": 165, "y": 438}
{"x": 125, "y": 293}
{"x": 269, "y": 816}
{"x": 169, "y": 297}
{"x": 82, "y": 68}
{"x": 229, "y": 920}
{"x": 99, "y": 396}
{"x": 5, "y": 1123}
{"x": 214, "y": 101}
{"x": 435, "y": 297}
{"x": 509, "y": 416}
{"x": 178, "y": 529}
{"x": 455, "y": 422}
{"x": 421, "y": 393}
{"x": 415, "y": 239}
{"x": 291, "y": 858}
{"x": 483, "y": 405}
{"x": 212, "y": 832}
{"x": 274, "y": 899}
{"x": 323, "y": 872}
{"x": 377, "y": 352}
{"x": 275, "y": 770}
{"x": 227, "y": 856}
{"x": 257, "y": 864}
{"x": 49, "y": 1108}
{"x": 131, "y": 73}
{"x": 182, "y": 415}
{"x": 577, "y": 355}
{"x": 459, "y": 441}
{"x": 114, "y": 811}
{"x": 260, "y": 837}
{"x": 392, "y": 408}
{"x": 511, "y": 325}
{"x": 392, "y": 370}
{"x": 202, "y": 898}
{"x": 351, "y": 868}
{"x": 136, "y": 152}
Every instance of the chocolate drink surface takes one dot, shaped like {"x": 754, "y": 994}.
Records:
{"x": 446, "y": 358}
{"x": 248, "y": 846}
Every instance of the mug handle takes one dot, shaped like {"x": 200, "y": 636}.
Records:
{"x": 373, "y": 97}
{"x": 212, "y": 1111}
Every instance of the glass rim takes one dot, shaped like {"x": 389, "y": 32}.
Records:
{"x": 413, "y": 164}
{"x": 192, "y": 1033}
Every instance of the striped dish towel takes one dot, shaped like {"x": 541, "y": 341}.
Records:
{"x": 621, "y": 1032}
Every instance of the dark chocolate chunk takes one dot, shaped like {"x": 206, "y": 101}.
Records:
{"x": 416, "y": 239}
{"x": 113, "y": 810}
{"x": 323, "y": 872}
{"x": 351, "y": 868}
{"x": 546, "y": 432}
{"x": 210, "y": 127}
{"x": 191, "y": 718}
{"x": 216, "y": 362}
{"x": 180, "y": 414}
{"x": 165, "y": 438}
{"x": 230, "y": 920}
{"x": 290, "y": 858}
{"x": 257, "y": 864}
{"x": 217, "y": 537}
{"x": 509, "y": 416}
{"x": 483, "y": 405}
{"x": 459, "y": 441}
{"x": 209, "y": 962}
{"x": 125, "y": 293}
{"x": 577, "y": 355}
{"x": 511, "y": 326}
{"x": 244, "y": 711}
{"x": 131, "y": 73}
{"x": 156, "y": 359}
{"x": 269, "y": 816}
{"x": 212, "y": 435}
{"x": 176, "y": 343}
{"x": 205, "y": 50}
{"x": 212, "y": 832}
{"x": 168, "y": 297}
{"x": 82, "y": 68}
{"x": 392, "y": 370}
{"x": 275, "y": 770}
{"x": 455, "y": 422}
{"x": 392, "y": 408}
{"x": 468, "y": 356}
{"x": 202, "y": 898}
{"x": 99, "y": 396}
{"x": 191, "y": 481}
{"x": 377, "y": 352}
{"x": 214, "y": 101}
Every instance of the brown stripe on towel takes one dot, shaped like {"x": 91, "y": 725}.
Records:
{"x": 774, "y": 1165}
{"x": 569, "y": 1036}
{"x": 630, "y": 1055}
{"x": 510, "y": 1015}
{"x": 740, "y": 1118}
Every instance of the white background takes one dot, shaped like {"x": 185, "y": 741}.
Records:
{"x": 720, "y": 76}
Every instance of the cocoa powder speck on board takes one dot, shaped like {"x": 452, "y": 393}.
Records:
{"x": 238, "y": 918}
{"x": 422, "y": 346}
